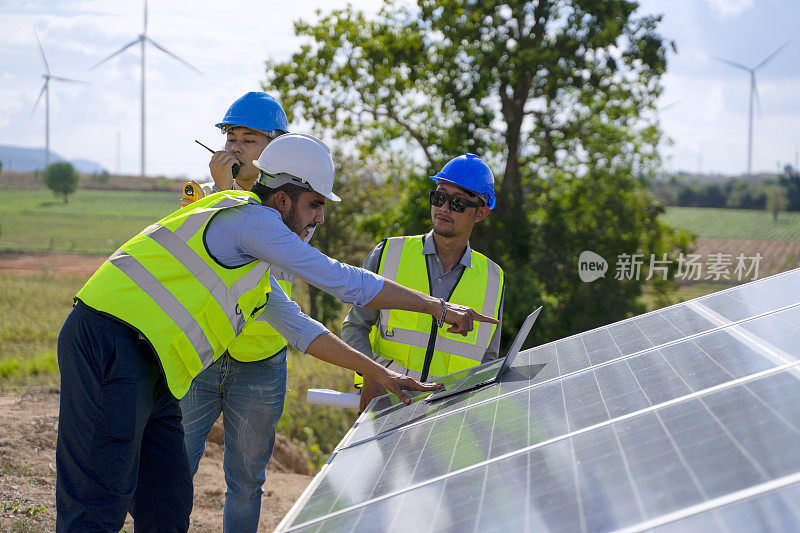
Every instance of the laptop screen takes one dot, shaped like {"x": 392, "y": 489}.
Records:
{"x": 516, "y": 346}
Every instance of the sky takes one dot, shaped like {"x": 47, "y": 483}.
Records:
{"x": 704, "y": 109}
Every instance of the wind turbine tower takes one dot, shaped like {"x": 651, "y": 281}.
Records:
{"x": 753, "y": 97}
{"x": 46, "y": 92}
{"x": 142, "y": 40}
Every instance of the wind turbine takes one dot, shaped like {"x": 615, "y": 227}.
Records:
{"x": 142, "y": 39}
{"x": 46, "y": 92}
{"x": 753, "y": 97}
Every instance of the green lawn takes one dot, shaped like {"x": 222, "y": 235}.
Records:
{"x": 713, "y": 223}
{"x": 93, "y": 222}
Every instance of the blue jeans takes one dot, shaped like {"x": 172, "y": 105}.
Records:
{"x": 250, "y": 397}
{"x": 120, "y": 441}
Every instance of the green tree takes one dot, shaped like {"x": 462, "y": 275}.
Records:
{"x": 101, "y": 177}
{"x": 790, "y": 180}
{"x": 558, "y": 96}
{"x": 776, "y": 200}
{"x": 61, "y": 178}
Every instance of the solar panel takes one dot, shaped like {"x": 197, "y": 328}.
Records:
{"x": 686, "y": 417}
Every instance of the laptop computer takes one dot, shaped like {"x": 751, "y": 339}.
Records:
{"x": 489, "y": 372}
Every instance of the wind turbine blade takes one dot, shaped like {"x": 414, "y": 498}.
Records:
{"x": 670, "y": 105}
{"x": 172, "y": 55}
{"x": 39, "y": 98}
{"x": 118, "y": 52}
{"x": 731, "y": 63}
{"x": 754, "y": 88}
{"x": 145, "y": 17}
{"x": 59, "y": 78}
{"x": 772, "y": 55}
{"x": 46, "y": 66}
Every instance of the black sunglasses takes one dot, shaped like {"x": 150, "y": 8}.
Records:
{"x": 457, "y": 203}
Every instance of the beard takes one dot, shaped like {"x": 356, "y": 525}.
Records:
{"x": 443, "y": 231}
{"x": 293, "y": 222}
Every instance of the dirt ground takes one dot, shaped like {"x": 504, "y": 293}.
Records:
{"x": 29, "y": 423}
{"x": 777, "y": 256}
{"x": 29, "y": 264}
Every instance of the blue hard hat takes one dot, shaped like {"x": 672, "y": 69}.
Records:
{"x": 258, "y": 111}
{"x": 471, "y": 173}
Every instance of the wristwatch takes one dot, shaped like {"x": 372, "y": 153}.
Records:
{"x": 440, "y": 320}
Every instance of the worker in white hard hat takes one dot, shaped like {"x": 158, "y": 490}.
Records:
{"x": 168, "y": 303}
{"x": 247, "y": 384}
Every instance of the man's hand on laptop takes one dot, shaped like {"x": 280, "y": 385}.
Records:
{"x": 461, "y": 318}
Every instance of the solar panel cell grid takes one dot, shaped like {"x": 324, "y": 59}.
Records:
{"x": 640, "y": 468}
{"x": 683, "y": 416}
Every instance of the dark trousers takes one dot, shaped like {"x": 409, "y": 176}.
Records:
{"x": 120, "y": 439}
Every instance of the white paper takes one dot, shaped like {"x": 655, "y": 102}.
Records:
{"x": 333, "y": 398}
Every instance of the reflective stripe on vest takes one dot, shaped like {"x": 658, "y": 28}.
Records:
{"x": 259, "y": 340}
{"x": 165, "y": 284}
{"x": 404, "y": 339}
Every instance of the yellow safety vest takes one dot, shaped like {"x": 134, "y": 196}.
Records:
{"x": 412, "y": 340}
{"x": 259, "y": 340}
{"x": 164, "y": 283}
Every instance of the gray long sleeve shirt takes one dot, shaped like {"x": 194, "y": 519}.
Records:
{"x": 359, "y": 321}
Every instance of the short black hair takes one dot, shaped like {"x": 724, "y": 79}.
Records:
{"x": 264, "y": 193}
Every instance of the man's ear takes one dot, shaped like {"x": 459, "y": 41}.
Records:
{"x": 481, "y": 213}
{"x": 282, "y": 202}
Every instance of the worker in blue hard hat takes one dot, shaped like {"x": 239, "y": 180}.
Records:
{"x": 249, "y": 125}
{"x": 440, "y": 263}
{"x": 247, "y": 384}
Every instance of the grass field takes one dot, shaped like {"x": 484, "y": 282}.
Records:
{"x": 97, "y": 222}
{"x": 34, "y": 307}
{"x": 735, "y": 223}
{"x": 93, "y": 222}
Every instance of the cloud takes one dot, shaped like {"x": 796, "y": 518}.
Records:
{"x": 730, "y": 8}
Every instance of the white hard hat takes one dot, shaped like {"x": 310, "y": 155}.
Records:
{"x": 297, "y": 158}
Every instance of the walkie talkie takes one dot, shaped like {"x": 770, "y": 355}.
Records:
{"x": 234, "y": 168}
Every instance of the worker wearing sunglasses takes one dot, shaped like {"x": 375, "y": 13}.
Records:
{"x": 440, "y": 263}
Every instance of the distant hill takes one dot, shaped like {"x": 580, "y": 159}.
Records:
{"x": 21, "y": 159}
